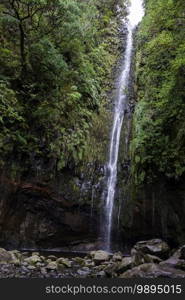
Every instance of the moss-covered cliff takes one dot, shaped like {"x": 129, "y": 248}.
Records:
{"x": 158, "y": 144}
{"x": 157, "y": 148}
{"x": 57, "y": 67}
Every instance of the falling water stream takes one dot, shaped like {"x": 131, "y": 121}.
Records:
{"x": 135, "y": 14}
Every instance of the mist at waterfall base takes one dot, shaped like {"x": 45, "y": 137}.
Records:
{"x": 135, "y": 14}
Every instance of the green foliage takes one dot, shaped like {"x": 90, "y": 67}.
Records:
{"x": 53, "y": 78}
{"x": 11, "y": 121}
{"x": 158, "y": 145}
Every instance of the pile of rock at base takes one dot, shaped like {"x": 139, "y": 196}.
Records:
{"x": 148, "y": 259}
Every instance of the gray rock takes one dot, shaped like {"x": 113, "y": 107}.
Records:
{"x": 43, "y": 271}
{"x": 79, "y": 260}
{"x": 39, "y": 264}
{"x": 42, "y": 258}
{"x": 100, "y": 268}
{"x": 153, "y": 271}
{"x": 100, "y": 256}
{"x": 139, "y": 258}
{"x": 52, "y": 266}
{"x": 64, "y": 261}
{"x": 32, "y": 260}
{"x": 31, "y": 267}
{"x": 124, "y": 265}
{"x": 89, "y": 263}
{"x": 153, "y": 259}
{"x": 35, "y": 253}
{"x": 24, "y": 269}
{"x": 174, "y": 262}
{"x": 5, "y": 256}
{"x": 117, "y": 256}
{"x": 16, "y": 262}
{"x": 110, "y": 270}
{"x": 180, "y": 253}
{"x": 118, "y": 267}
{"x": 61, "y": 267}
{"x": 52, "y": 257}
{"x": 101, "y": 274}
{"x": 83, "y": 272}
{"x": 86, "y": 269}
{"x": 155, "y": 247}
{"x": 15, "y": 254}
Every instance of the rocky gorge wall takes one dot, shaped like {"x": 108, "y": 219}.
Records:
{"x": 37, "y": 211}
{"x": 153, "y": 189}
{"x": 155, "y": 210}
{"x": 34, "y": 216}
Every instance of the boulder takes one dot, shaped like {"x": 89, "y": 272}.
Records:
{"x": 174, "y": 262}
{"x": 153, "y": 271}
{"x": 124, "y": 265}
{"x": 85, "y": 271}
{"x": 16, "y": 254}
{"x": 110, "y": 270}
{"x": 16, "y": 262}
{"x": 15, "y": 258}
{"x": 101, "y": 274}
{"x": 32, "y": 260}
{"x": 52, "y": 266}
{"x": 154, "y": 247}
{"x": 100, "y": 267}
{"x": 89, "y": 263}
{"x": 153, "y": 259}
{"x": 139, "y": 258}
{"x": 43, "y": 271}
{"x": 5, "y": 256}
{"x": 61, "y": 267}
{"x": 64, "y": 261}
{"x": 52, "y": 257}
{"x": 100, "y": 256}
{"x": 79, "y": 260}
{"x": 118, "y": 267}
{"x": 31, "y": 268}
{"x": 35, "y": 253}
{"x": 180, "y": 253}
{"x": 117, "y": 256}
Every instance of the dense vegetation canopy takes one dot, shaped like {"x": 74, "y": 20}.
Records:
{"x": 158, "y": 146}
{"x": 55, "y": 57}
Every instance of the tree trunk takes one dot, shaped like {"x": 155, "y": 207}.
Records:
{"x": 22, "y": 50}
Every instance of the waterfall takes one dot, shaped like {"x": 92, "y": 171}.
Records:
{"x": 135, "y": 14}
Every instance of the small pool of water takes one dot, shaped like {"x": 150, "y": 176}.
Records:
{"x": 57, "y": 252}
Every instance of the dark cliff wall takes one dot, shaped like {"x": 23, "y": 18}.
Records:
{"x": 34, "y": 216}
{"x": 155, "y": 210}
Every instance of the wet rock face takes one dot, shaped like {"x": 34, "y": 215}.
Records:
{"x": 32, "y": 217}
{"x": 156, "y": 210}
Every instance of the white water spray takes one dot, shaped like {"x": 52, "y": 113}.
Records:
{"x": 135, "y": 15}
